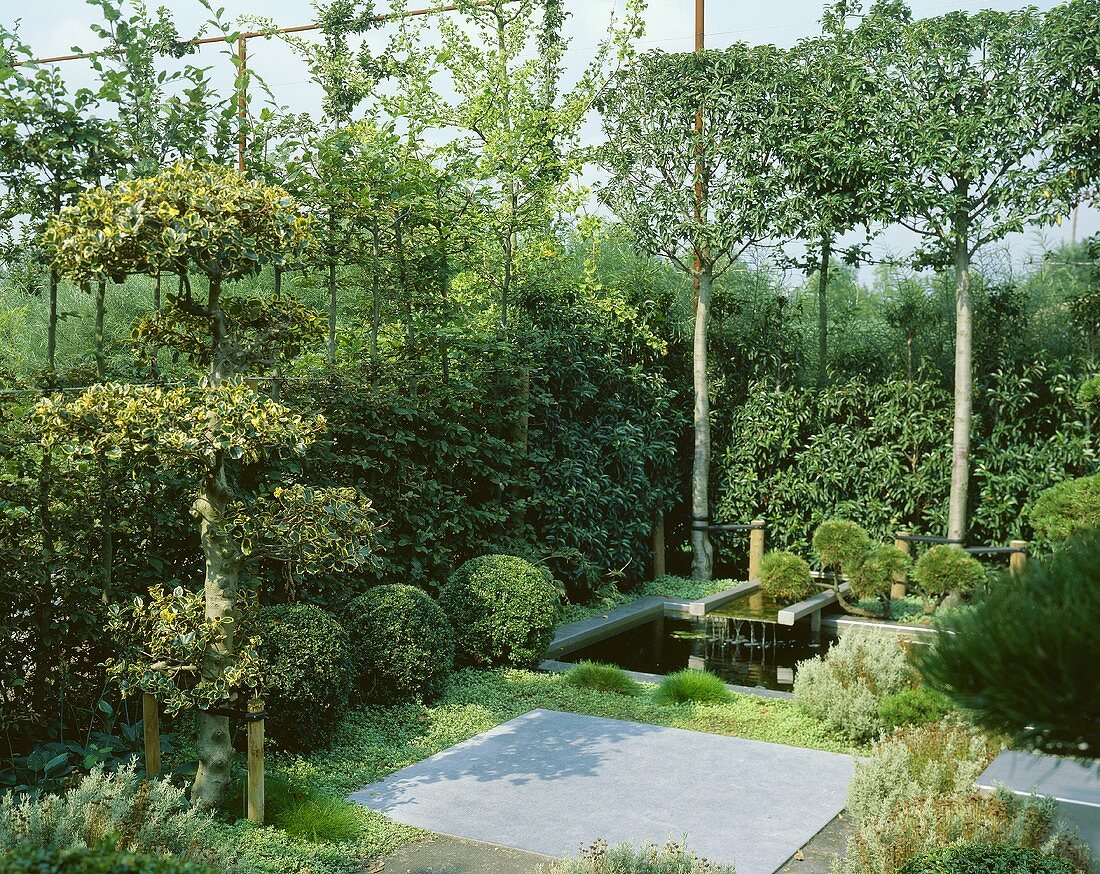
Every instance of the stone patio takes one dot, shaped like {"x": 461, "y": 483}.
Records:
{"x": 550, "y": 782}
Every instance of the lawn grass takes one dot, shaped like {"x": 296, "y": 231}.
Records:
{"x": 375, "y": 741}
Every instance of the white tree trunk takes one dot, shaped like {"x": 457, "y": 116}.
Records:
{"x": 960, "y": 445}
{"x": 702, "y": 553}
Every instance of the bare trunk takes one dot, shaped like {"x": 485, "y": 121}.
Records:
{"x": 376, "y": 302}
{"x": 51, "y": 333}
{"x": 156, "y": 350}
{"x": 702, "y": 560}
{"x": 222, "y": 558}
{"x": 960, "y": 444}
{"x": 100, "y": 308}
{"x": 331, "y": 346}
{"x": 823, "y": 314}
{"x": 215, "y": 746}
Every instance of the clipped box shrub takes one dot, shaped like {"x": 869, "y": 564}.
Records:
{"x": 840, "y": 544}
{"x": 602, "y": 678}
{"x": 402, "y": 644}
{"x": 988, "y": 859}
{"x": 947, "y": 569}
{"x": 503, "y": 610}
{"x": 785, "y": 577}
{"x": 306, "y": 666}
{"x": 845, "y": 687}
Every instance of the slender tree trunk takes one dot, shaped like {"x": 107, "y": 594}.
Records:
{"x": 960, "y": 444}
{"x": 222, "y": 558}
{"x": 376, "y": 301}
{"x": 51, "y": 333}
{"x": 702, "y": 553}
{"x": 215, "y": 746}
{"x": 331, "y": 346}
{"x": 100, "y": 309}
{"x": 823, "y": 313}
{"x": 156, "y": 349}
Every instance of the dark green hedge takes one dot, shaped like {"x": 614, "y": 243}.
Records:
{"x": 401, "y": 643}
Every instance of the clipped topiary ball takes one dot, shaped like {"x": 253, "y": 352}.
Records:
{"x": 785, "y": 577}
{"x": 402, "y": 644}
{"x": 1088, "y": 396}
{"x": 503, "y": 610}
{"x": 840, "y": 544}
{"x": 987, "y": 859}
{"x": 307, "y": 671}
{"x": 875, "y": 574}
{"x": 945, "y": 569}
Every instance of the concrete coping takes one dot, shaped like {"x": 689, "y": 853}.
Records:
{"x": 905, "y": 629}
{"x": 720, "y": 599}
{"x": 814, "y": 604}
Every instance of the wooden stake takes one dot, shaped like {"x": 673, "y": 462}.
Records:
{"x": 899, "y": 588}
{"x": 150, "y": 718}
{"x": 1018, "y": 560}
{"x": 659, "y": 545}
{"x": 756, "y": 558}
{"x": 256, "y": 762}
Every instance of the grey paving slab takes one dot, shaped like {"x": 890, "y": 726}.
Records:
{"x": 549, "y": 783}
{"x": 1073, "y": 784}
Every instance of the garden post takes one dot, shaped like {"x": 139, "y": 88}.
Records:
{"x": 756, "y": 558}
{"x": 255, "y": 760}
{"x": 898, "y": 589}
{"x": 658, "y": 545}
{"x": 1018, "y": 560}
{"x": 150, "y": 719}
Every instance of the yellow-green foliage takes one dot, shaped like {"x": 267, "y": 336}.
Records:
{"x": 785, "y": 576}
{"x": 503, "y": 610}
{"x": 840, "y": 544}
{"x": 945, "y": 569}
{"x": 188, "y": 216}
{"x": 1068, "y": 508}
{"x": 875, "y": 573}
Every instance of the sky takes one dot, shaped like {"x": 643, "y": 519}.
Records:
{"x": 53, "y": 27}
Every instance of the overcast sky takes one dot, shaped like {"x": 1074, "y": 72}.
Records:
{"x": 53, "y": 27}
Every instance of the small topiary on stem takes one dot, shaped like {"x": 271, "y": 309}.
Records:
{"x": 842, "y": 547}
{"x": 947, "y": 570}
{"x": 873, "y": 577}
{"x": 785, "y": 577}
